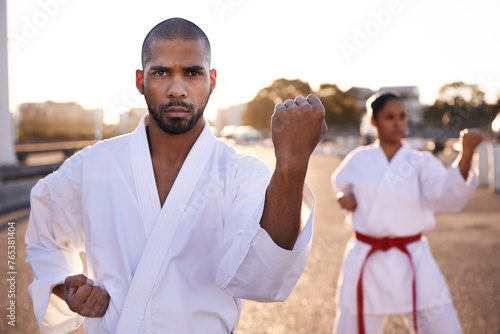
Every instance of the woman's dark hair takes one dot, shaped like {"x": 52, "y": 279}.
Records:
{"x": 377, "y": 102}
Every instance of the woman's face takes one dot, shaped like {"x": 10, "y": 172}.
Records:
{"x": 391, "y": 122}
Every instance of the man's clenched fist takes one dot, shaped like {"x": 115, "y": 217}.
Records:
{"x": 85, "y": 298}
{"x": 297, "y": 127}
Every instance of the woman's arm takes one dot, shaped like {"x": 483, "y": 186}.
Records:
{"x": 347, "y": 201}
{"x": 470, "y": 139}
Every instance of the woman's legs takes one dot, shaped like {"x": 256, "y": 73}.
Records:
{"x": 441, "y": 319}
{"x": 347, "y": 323}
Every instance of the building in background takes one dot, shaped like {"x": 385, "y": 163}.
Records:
{"x": 229, "y": 116}
{"x": 360, "y": 94}
{"x": 129, "y": 120}
{"x": 52, "y": 121}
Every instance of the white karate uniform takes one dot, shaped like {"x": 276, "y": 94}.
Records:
{"x": 396, "y": 199}
{"x": 103, "y": 201}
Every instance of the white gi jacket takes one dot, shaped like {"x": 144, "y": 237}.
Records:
{"x": 103, "y": 201}
{"x": 396, "y": 199}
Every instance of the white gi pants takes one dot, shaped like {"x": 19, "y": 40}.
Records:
{"x": 430, "y": 321}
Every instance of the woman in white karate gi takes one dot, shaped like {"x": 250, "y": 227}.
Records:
{"x": 390, "y": 193}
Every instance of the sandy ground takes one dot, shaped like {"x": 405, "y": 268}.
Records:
{"x": 466, "y": 245}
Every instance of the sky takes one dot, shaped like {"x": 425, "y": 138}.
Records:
{"x": 87, "y": 51}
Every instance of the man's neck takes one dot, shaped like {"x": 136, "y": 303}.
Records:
{"x": 171, "y": 149}
{"x": 168, "y": 153}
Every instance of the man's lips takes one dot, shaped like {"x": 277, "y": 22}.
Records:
{"x": 177, "y": 112}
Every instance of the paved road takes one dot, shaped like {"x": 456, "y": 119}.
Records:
{"x": 466, "y": 246}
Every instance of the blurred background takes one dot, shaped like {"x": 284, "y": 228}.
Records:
{"x": 67, "y": 74}
{"x": 68, "y": 68}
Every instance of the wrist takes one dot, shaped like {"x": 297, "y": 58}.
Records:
{"x": 58, "y": 290}
{"x": 291, "y": 170}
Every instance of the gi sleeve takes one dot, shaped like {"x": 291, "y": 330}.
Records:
{"x": 54, "y": 239}
{"x": 445, "y": 190}
{"x": 254, "y": 267}
{"x": 343, "y": 177}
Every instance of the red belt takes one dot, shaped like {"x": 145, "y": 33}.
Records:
{"x": 385, "y": 244}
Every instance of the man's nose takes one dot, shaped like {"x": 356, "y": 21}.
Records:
{"x": 177, "y": 89}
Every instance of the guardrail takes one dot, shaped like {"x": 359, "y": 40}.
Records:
{"x": 67, "y": 147}
{"x": 16, "y": 183}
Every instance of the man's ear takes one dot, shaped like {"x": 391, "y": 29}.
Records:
{"x": 139, "y": 79}
{"x": 213, "y": 79}
{"x": 373, "y": 122}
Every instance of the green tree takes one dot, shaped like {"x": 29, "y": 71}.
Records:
{"x": 494, "y": 109}
{"x": 340, "y": 108}
{"x": 258, "y": 112}
{"x": 462, "y": 103}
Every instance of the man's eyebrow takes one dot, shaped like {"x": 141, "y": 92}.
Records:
{"x": 160, "y": 68}
{"x": 194, "y": 68}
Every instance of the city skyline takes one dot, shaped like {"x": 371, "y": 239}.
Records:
{"x": 87, "y": 52}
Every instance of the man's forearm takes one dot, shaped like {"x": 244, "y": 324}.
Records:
{"x": 297, "y": 126}
{"x": 470, "y": 139}
{"x": 282, "y": 209}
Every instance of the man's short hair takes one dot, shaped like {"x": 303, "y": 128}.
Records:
{"x": 174, "y": 29}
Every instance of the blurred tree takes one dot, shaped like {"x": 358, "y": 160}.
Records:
{"x": 494, "y": 109}
{"x": 258, "y": 112}
{"x": 340, "y": 108}
{"x": 462, "y": 104}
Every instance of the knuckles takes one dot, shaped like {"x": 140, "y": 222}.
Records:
{"x": 302, "y": 110}
{"x": 84, "y": 298}
{"x": 87, "y": 308}
{"x": 307, "y": 115}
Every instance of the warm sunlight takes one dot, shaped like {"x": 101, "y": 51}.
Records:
{"x": 85, "y": 52}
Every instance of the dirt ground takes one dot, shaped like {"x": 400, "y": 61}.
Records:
{"x": 466, "y": 245}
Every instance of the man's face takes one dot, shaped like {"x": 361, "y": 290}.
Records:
{"x": 176, "y": 83}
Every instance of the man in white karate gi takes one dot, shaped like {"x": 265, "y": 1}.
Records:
{"x": 176, "y": 226}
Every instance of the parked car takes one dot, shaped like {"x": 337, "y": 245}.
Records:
{"x": 246, "y": 134}
{"x": 229, "y": 131}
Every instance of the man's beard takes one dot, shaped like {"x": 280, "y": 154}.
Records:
{"x": 177, "y": 126}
